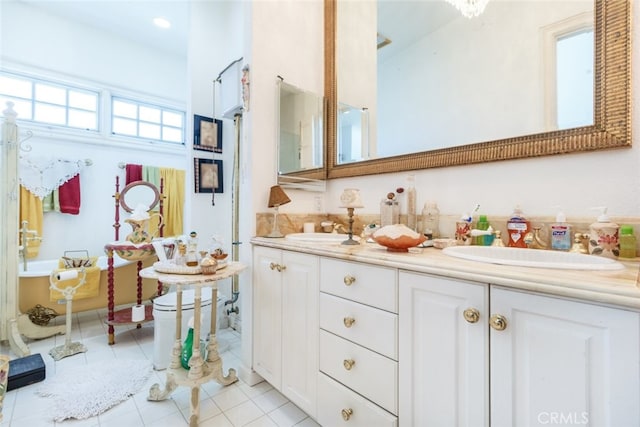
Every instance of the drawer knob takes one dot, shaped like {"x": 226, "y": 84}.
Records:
{"x": 348, "y": 321}
{"x": 349, "y": 279}
{"x": 273, "y": 266}
{"x": 498, "y": 322}
{"x": 348, "y": 364}
{"x": 471, "y": 315}
{"x": 346, "y": 414}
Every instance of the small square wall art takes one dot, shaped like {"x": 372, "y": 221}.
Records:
{"x": 207, "y": 134}
{"x": 207, "y": 175}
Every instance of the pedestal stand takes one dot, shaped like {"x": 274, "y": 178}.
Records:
{"x": 350, "y": 240}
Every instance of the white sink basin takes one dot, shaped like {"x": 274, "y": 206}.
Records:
{"x": 533, "y": 258}
{"x": 319, "y": 237}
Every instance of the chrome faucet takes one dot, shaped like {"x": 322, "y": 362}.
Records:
{"x": 533, "y": 239}
{"x": 26, "y": 236}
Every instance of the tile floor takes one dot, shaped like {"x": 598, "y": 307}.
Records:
{"x": 235, "y": 405}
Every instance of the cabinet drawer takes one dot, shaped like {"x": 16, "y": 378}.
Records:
{"x": 336, "y": 402}
{"x": 371, "y": 374}
{"x": 364, "y": 283}
{"x": 370, "y": 327}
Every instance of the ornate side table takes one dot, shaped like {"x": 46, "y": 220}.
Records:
{"x": 201, "y": 371}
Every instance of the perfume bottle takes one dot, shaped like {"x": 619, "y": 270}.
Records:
{"x": 192, "y": 249}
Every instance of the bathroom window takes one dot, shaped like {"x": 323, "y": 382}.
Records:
{"x": 50, "y": 103}
{"x": 568, "y": 54}
{"x": 146, "y": 121}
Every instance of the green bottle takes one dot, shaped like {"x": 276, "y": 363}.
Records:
{"x": 187, "y": 350}
{"x": 627, "y": 242}
{"x": 483, "y": 224}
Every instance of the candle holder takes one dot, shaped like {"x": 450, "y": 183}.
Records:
{"x": 350, "y": 199}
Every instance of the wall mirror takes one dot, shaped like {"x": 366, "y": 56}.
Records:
{"x": 300, "y": 135}
{"x": 139, "y": 193}
{"x": 502, "y": 104}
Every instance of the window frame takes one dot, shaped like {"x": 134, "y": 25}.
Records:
{"x": 104, "y": 114}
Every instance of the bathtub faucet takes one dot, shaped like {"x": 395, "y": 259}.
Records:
{"x": 26, "y": 236}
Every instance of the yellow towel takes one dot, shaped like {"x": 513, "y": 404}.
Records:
{"x": 174, "y": 201}
{"x": 31, "y": 211}
{"x": 89, "y": 290}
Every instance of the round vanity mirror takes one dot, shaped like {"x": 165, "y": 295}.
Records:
{"x": 139, "y": 193}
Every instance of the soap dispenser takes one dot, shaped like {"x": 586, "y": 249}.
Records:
{"x": 561, "y": 233}
{"x": 517, "y": 227}
{"x": 603, "y": 236}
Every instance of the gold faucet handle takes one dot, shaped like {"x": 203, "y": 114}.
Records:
{"x": 497, "y": 240}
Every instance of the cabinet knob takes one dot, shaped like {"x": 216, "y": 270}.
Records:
{"x": 278, "y": 267}
{"x": 346, "y": 414}
{"x": 498, "y": 322}
{"x": 348, "y": 364}
{"x": 349, "y": 279}
{"x": 348, "y": 321}
{"x": 471, "y": 315}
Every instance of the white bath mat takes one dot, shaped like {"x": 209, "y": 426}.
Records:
{"x": 89, "y": 390}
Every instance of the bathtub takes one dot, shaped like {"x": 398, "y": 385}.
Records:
{"x": 33, "y": 285}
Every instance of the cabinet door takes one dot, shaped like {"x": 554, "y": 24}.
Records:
{"x": 300, "y": 290}
{"x": 563, "y": 362}
{"x": 267, "y": 314}
{"x": 443, "y": 357}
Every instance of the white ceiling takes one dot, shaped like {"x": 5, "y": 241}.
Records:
{"x": 399, "y": 20}
{"x": 132, "y": 19}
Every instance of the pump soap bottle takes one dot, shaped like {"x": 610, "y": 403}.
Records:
{"x": 561, "y": 233}
{"x": 517, "y": 227}
{"x": 603, "y": 236}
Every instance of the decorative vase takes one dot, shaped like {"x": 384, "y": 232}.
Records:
{"x": 4, "y": 378}
{"x": 140, "y": 229}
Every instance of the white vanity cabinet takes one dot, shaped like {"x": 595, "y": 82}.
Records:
{"x": 358, "y": 379}
{"x": 444, "y": 358}
{"x": 520, "y": 359}
{"x": 285, "y": 323}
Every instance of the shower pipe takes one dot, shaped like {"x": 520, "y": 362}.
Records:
{"x": 235, "y": 207}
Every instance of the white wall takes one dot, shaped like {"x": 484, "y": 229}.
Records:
{"x": 215, "y": 40}
{"x": 37, "y": 42}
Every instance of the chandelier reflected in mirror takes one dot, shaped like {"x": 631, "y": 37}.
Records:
{"x": 469, "y": 8}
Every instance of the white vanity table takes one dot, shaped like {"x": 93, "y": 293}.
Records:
{"x": 201, "y": 371}
{"x": 426, "y": 339}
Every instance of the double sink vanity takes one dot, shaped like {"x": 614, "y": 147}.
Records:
{"x": 361, "y": 335}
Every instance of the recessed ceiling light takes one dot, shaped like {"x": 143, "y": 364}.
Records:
{"x": 161, "y": 22}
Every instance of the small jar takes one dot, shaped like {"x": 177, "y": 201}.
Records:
{"x": 627, "y": 242}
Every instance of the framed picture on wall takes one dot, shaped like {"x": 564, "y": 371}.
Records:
{"x": 207, "y": 175}
{"x": 207, "y": 134}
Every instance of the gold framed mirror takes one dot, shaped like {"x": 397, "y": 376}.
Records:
{"x": 611, "y": 127}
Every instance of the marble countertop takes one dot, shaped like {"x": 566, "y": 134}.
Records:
{"x": 620, "y": 288}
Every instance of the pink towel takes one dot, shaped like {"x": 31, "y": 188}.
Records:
{"x": 69, "y": 196}
{"x": 133, "y": 173}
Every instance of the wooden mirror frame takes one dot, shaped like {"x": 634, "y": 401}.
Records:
{"x": 135, "y": 184}
{"x": 612, "y": 108}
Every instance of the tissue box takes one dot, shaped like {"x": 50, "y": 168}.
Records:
{"x": 26, "y": 370}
